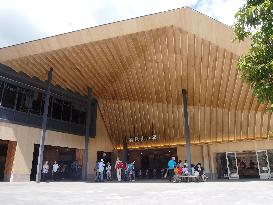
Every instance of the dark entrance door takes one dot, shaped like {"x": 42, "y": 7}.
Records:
{"x": 34, "y": 163}
{"x": 3, "y": 155}
{"x": 106, "y": 156}
{"x": 64, "y": 157}
{"x": 151, "y": 163}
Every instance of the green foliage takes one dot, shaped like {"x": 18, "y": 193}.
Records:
{"x": 255, "y": 21}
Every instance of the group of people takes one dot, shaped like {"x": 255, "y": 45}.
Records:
{"x": 54, "y": 171}
{"x": 102, "y": 170}
{"x": 125, "y": 171}
{"x": 57, "y": 171}
{"x": 183, "y": 169}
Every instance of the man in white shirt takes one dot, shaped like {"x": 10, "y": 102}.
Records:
{"x": 101, "y": 169}
{"x": 55, "y": 169}
{"x": 45, "y": 171}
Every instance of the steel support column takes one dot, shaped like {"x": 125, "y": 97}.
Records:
{"x": 125, "y": 150}
{"x": 186, "y": 125}
{"x": 43, "y": 132}
{"x": 87, "y": 135}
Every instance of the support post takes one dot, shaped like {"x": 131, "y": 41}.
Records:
{"x": 187, "y": 131}
{"x": 87, "y": 134}
{"x": 43, "y": 132}
{"x": 125, "y": 150}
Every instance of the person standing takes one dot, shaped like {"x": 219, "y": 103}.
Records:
{"x": 96, "y": 170}
{"x": 185, "y": 163}
{"x": 55, "y": 169}
{"x": 126, "y": 173}
{"x": 101, "y": 169}
{"x": 171, "y": 166}
{"x": 74, "y": 169}
{"x": 45, "y": 171}
{"x": 133, "y": 178}
{"x": 108, "y": 171}
{"x": 130, "y": 171}
{"x": 118, "y": 168}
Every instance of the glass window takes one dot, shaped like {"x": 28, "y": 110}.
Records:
{"x": 9, "y": 96}
{"x": 82, "y": 117}
{"x": 66, "y": 113}
{"x": 57, "y": 109}
{"x": 75, "y": 115}
{"x": 37, "y": 103}
{"x": 49, "y": 114}
{"x": 24, "y": 100}
{"x": 1, "y": 90}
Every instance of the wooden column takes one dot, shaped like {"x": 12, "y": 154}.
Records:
{"x": 43, "y": 132}
{"x": 186, "y": 125}
{"x": 87, "y": 134}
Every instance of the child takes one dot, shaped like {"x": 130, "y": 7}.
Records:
{"x": 176, "y": 176}
{"x": 108, "y": 171}
{"x": 180, "y": 170}
{"x": 185, "y": 171}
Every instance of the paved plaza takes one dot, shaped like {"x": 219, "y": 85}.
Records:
{"x": 229, "y": 192}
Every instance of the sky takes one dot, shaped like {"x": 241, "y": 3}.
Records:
{"x": 26, "y": 20}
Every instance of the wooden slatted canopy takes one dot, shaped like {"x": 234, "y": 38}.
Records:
{"x": 137, "y": 69}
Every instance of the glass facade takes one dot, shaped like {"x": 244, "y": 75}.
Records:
{"x": 32, "y": 101}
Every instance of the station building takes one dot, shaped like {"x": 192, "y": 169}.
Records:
{"x": 136, "y": 69}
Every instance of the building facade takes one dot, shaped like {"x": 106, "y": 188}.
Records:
{"x": 137, "y": 69}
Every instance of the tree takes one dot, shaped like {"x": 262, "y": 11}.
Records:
{"x": 254, "y": 20}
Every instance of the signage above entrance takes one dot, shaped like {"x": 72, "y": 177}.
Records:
{"x": 143, "y": 138}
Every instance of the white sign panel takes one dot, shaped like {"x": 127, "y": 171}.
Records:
{"x": 142, "y": 138}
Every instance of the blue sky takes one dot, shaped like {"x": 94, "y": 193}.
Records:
{"x": 26, "y": 20}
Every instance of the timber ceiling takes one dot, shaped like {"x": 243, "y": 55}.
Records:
{"x": 138, "y": 77}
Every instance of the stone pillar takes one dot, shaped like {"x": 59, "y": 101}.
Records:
{"x": 212, "y": 159}
{"x": 22, "y": 161}
{"x": 206, "y": 160}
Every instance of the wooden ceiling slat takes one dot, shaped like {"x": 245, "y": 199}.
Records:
{"x": 231, "y": 84}
{"x": 197, "y": 89}
{"x": 57, "y": 79}
{"x": 166, "y": 82}
{"x": 211, "y": 74}
{"x": 96, "y": 66}
{"x": 225, "y": 79}
{"x": 58, "y": 69}
{"x": 97, "y": 81}
{"x": 218, "y": 77}
{"x": 204, "y": 66}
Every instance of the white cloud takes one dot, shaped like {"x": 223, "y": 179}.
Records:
{"x": 25, "y": 20}
{"x": 222, "y": 10}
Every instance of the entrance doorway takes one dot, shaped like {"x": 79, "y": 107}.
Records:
{"x": 7, "y": 154}
{"x": 65, "y": 157}
{"x": 106, "y": 156}
{"x": 151, "y": 163}
{"x": 3, "y": 155}
{"x": 246, "y": 164}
